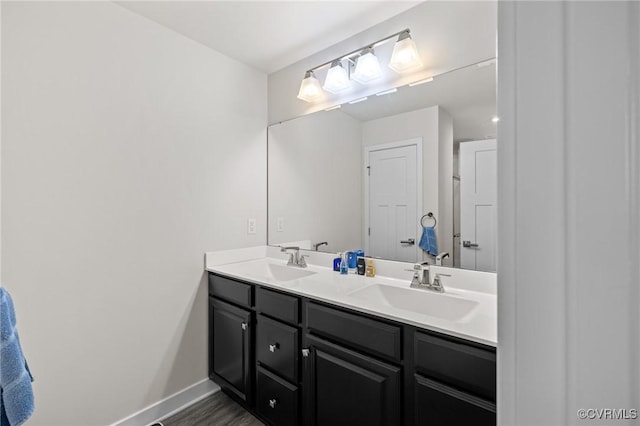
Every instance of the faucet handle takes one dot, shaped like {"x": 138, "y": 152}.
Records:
{"x": 301, "y": 261}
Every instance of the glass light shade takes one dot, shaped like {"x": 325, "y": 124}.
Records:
{"x": 367, "y": 68}
{"x": 405, "y": 55}
{"x": 337, "y": 79}
{"x": 310, "y": 89}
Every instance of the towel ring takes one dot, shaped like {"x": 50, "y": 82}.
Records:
{"x": 430, "y": 215}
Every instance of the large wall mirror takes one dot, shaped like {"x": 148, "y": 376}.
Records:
{"x": 386, "y": 172}
{"x": 376, "y": 173}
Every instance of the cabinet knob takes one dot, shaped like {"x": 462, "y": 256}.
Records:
{"x": 244, "y": 325}
{"x": 273, "y": 347}
{"x": 305, "y": 353}
{"x": 272, "y": 403}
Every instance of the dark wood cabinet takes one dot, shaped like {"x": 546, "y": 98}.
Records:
{"x": 230, "y": 348}
{"x": 292, "y": 360}
{"x": 344, "y": 387}
{"x": 277, "y": 400}
{"x": 439, "y": 405}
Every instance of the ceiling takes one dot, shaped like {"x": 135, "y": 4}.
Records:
{"x": 268, "y": 35}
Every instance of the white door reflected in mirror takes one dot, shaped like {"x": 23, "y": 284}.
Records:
{"x": 392, "y": 200}
{"x": 478, "y": 195}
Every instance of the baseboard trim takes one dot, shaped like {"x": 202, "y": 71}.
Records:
{"x": 170, "y": 405}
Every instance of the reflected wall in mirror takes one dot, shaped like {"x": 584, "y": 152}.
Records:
{"x": 366, "y": 174}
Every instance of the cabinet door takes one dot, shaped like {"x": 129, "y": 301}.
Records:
{"x": 439, "y": 405}
{"x": 343, "y": 387}
{"x": 230, "y": 347}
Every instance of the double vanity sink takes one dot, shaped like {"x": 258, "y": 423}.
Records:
{"x": 462, "y": 311}
{"x": 311, "y": 346}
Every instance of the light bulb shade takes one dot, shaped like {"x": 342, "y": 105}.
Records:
{"x": 310, "y": 89}
{"x": 405, "y": 55}
{"x": 367, "y": 68}
{"x": 337, "y": 79}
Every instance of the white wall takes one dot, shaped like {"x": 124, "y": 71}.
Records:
{"x": 437, "y": 159}
{"x": 448, "y": 35}
{"x": 569, "y": 208}
{"x": 315, "y": 171}
{"x": 127, "y": 152}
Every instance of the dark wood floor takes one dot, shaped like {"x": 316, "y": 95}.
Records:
{"x": 218, "y": 409}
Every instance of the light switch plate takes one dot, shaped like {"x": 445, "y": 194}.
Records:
{"x": 251, "y": 225}
{"x": 280, "y": 224}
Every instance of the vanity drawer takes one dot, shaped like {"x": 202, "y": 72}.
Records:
{"x": 461, "y": 365}
{"x": 356, "y": 331}
{"x": 437, "y": 404}
{"x": 277, "y": 347}
{"x": 278, "y": 305}
{"x": 230, "y": 290}
{"x": 276, "y": 400}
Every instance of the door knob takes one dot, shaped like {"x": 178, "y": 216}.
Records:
{"x": 273, "y": 347}
{"x": 272, "y": 403}
{"x": 409, "y": 241}
{"x": 244, "y": 325}
{"x": 469, "y": 244}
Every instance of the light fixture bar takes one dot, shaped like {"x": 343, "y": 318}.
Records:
{"x": 353, "y": 52}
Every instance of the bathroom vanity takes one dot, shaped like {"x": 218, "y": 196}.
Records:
{"x": 309, "y": 346}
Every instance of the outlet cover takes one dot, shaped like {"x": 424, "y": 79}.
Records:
{"x": 251, "y": 225}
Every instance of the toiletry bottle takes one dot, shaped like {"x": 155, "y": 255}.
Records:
{"x": 371, "y": 268}
{"x": 352, "y": 258}
{"x": 336, "y": 262}
{"x": 361, "y": 265}
{"x": 344, "y": 268}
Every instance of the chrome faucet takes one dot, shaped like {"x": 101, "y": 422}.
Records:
{"x": 436, "y": 285}
{"x": 324, "y": 243}
{"x": 294, "y": 258}
{"x": 420, "y": 275}
{"x": 441, "y": 257}
{"x": 421, "y": 278}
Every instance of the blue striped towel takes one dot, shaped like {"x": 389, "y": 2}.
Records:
{"x": 16, "y": 393}
{"x": 428, "y": 241}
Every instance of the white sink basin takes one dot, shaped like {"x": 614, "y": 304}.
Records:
{"x": 438, "y": 305}
{"x": 269, "y": 271}
{"x": 287, "y": 273}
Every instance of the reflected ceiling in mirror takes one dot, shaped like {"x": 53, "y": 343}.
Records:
{"x": 319, "y": 183}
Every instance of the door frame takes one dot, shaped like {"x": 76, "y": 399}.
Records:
{"x": 367, "y": 149}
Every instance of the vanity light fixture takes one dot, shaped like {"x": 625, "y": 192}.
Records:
{"x": 337, "y": 79}
{"x": 405, "y": 55}
{"x": 360, "y": 65}
{"x": 419, "y": 82}
{"x": 310, "y": 89}
{"x": 367, "y": 67}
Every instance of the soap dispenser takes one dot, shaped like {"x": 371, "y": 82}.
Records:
{"x": 344, "y": 266}
{"x": 336, "y": 262}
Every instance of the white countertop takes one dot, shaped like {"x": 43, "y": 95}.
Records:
{"x": 479, "y": 325}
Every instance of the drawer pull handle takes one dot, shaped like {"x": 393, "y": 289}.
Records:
{"x": 272, "y": 348}
{"x": 305, "y": 353}
{"x": 272, "y": 403}
{"x": 244, "y": 325}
